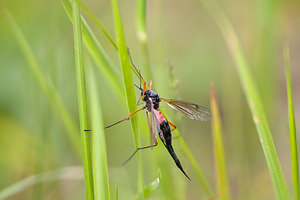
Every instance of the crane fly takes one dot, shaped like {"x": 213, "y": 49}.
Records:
{"x": 158, "y": 124}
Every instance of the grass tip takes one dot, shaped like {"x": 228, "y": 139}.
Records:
{"x": 212, "y": 92}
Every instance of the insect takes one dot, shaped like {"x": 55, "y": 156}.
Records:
{"x": 158, "y": 120}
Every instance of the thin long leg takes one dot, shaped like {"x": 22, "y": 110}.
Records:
{"x": 146, "y": 147}
{"x": 140, "y": 148}
{"x": 126, "y": 118}
{"x": 151, "y": 130}
{"x": 174, "y": 127}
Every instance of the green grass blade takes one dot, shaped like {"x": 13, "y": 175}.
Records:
{"x": 98, "y": 23}
{"x": 47, "y": 87}
{"x": 82, "y": 102}
{"x": 129, "y": 88}
{"x": 151, "y": 188}
{"x": 98, "y": 54}
{"x": 117, "y": 192}
{"x": 292, "y": 127}
{"x": 141, "y": 20}
{"x": 253, "y": 98}
{"x": 96, "y": 50}
{"x": 223, "y": 189}
{"x": 101, "y": 183}
{"x": 67, "y": 173}
{"x": 142, "y": 36}
{"x": 148, "y": 191}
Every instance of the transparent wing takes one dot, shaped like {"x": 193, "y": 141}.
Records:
{"x": 155, "y": 126}
{"x": 191, "y": 110}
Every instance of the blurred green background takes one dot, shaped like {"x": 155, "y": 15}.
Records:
{"x": 32, "y": 136}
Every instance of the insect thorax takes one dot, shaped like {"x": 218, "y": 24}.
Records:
{"x": 151, "y": 96}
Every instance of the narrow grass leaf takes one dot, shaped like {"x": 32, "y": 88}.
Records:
{"x": 148, "y": 191}
{"x": 223, "y": 189}
{"x": 117, "y": 192}
{"x": 66, "y": 173}
{"x": 82, "y": 103}
{"x": 253, "y": 98}
{"x": 129, "y": 89}
{"x": 100, "y": 168}
{"x": 141, "y": 19}
{"x": 47, "y": 87}
{"x": 98, "y": 23}
{"x": 292, "y": 126}
{"x": 97, "y": 52}
{"x": 141, "y": 24}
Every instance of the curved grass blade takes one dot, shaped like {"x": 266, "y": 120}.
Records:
{"x": 97, "y": 52}
{"x": 129, "y": 88}
{"x": 253, "y": 98}
{"x": 292, "y": 126}
{"x": 152, "y": 187}
{"x": 82, "y": 103}
{"x": 99, "y": 24}
{"x": 223, "y": 189}
{"x": 66, "y": 173}
{"x": 100, "y": 168}
{"x": 47, "y": 87}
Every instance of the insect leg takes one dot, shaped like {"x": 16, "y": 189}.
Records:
{"x": 126, "y": 118}
{"x": 173, "y": 125}
{"x": 146, "y": 147}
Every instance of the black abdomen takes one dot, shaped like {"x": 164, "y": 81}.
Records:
{"x": 165, "y": 128}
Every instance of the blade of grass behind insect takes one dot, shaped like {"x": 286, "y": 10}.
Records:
{"x": 129, "y": 88}
{"x": 266, "y": 16}
{"x": 292, "y": 127}
{"x": 253, "y": 98}
{"x": 201, "y": 178}
{"x": 98, "y": 54}
{"x": 97, "y": 21}
{"x": 223, "y": 190}
{"x": 92, "y": 43}
{"x": 47, "y": 87}
{"x": 100, "y": 168}
{"x": 82, "y": 103}
{"x": 141, "y": 24}
{"x": 151, "y": 187}
{"x": 66, "y": 173}
{"x": 117, "y": 192}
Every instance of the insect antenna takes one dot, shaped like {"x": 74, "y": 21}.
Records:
{"x": 138, "y": 72}
{"x": 138, "y": 87}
